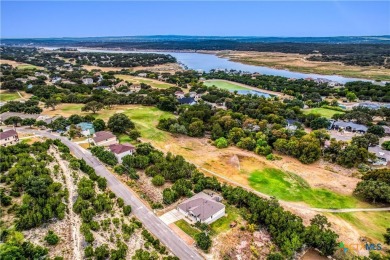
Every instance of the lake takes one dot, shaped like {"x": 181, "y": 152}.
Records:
{"x": 207, "y": 62}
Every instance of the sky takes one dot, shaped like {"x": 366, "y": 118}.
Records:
{"x": 34, "y": 19}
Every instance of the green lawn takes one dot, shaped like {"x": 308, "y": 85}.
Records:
{"x": 371, "y": 224}
{"x": 138, "y": 80}
{"x": 9, "y": 96}
{"x": 223, "y": 224}
{"x": 72, "y": 107}
{"x": 27, "y": 67}
{"x": 290, "y": 187}
{"x": 187, "y": 228}
{"x": 325, "y": 112}
{"x": 231, "y": 86}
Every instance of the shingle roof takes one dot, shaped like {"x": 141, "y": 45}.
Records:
{"x": 201, "y": 206}
{"x": 352, "y": 125}
{"x": 188, "y": 100}
{"x": 121, "y": 148}
{"x": 6, "y": 134}
{"x": 103, "y": 135}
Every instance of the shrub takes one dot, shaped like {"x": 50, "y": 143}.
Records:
{"x": 221, "y": 143}
{"x": 203, "y": 241}
{"x": 51, "y": 238}
{"x": 386, "y": 145}
{"x": 127, "y": 210}
{"x": 158, "y": 180}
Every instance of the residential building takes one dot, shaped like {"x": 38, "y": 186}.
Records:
{"x": 103, "y": 88}
{"x": 179, "y": 94}
{"x": 104, "y": 138}
{"x": 142, "y": 75}
{"x": 292, "y": 124}
{"x": 349, "y": 126}
{"x": 86, "y": 129}
{"x": 203, "y": 208}
{"x": 8, "y": 137}
{"x": 121, "y": 150}
{"x": 382, "y": 156}
{"x": 56, "y": 79}
{"x": 188, "y": 101}
{"x": 87, "y": 81}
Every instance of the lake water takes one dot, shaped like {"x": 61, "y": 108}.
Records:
{"x": 253, "y": 92}
{"x": 206, "y": 62}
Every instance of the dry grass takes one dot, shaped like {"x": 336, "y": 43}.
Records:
{"x": 299, "y": 62}
{"x": 20, "y": 65}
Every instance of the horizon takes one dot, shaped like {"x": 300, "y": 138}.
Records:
{"x": 56, "y": 19}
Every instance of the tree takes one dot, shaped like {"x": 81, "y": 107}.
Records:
{"x": 387, "y": 236}
{"x": 13, "y": 120}
{"x": 376, "y": 130}
{"x": 196, "y": 129}
{"x": 386, "y": 145}
{"x": 52, "y": 102}
{"x": 235, "y": 134}
{"x": 120, "y": 123}
{"x": 351, "y": 96}
{"x": 75, "y": 119}
{"x": 99, "y": 125}
{"x": 365, "y": 141}
{"x": 102, "y": 252}
{"x": 319, "y": 122}
{"x": 127, "y": 210}
{"x": 93, "y": 106}
{"x": 221, "y": 143}
{"x": 29, "y": 121}
{"x": 158, "y": 180}
{"x": 373, "y": 190}
{"x": 203, "y": 241}
{"x": 51, "y": 238}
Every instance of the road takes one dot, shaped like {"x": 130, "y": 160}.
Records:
{"x": 150, "y": 221}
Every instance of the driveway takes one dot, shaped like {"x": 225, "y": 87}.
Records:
{"x": 171, "y": 216}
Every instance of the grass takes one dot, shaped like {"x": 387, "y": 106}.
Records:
{"x": 187, "y": 228}
{"x": 223, "y": 224}
{"x": 290, "y": 187}
{"x": 138, "y": 80}
{"x": 231, "y": 86}
{"x": 325, "y": 112}
{"x": 27, "y": 67}
{"x": 75, "y": 108}
{"x": 372, "y": 224}
{"x": 9, "y": 96}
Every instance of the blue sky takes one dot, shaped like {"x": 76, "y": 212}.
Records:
{"x": 126, "y": 18}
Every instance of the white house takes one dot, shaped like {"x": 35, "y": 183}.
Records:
{"x": 8, "y": 137}
{"x": 121, "y": 150}
{"x": 179, "y": 94}
{"x": 88, "y": 81}
{"x": 104, "y": 138}
{"x": 203, "y": 208}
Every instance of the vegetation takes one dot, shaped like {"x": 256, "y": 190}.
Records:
{"x": 104, "y": 155}
{"x": 375, "y": 186}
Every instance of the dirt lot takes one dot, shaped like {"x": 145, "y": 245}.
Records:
{"x": 299, "y": 62}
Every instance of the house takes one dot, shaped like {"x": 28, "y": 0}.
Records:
{"x": 56, "y": 79}
{"x": 103, "y": 88}
{"x": 369, "y": 105}
{"x": 88, "y": 81}
{"x": 188, "y": 101}
{"x": 142, "y": 75}
{"x": 202, "y": 208}
{"x": 121, "y": 150}
{"x": 86, "y": 128}
{"x": 7, "y": 115}
{"x": 387, "y": 129}
{"x": 9, "y": 137}
{"x": 349, "y": 126}
{"x": 292, "y": 124}
{"x": 104, "y": 138}
{"x": 195, "y": 95}
{"x": 179, "y": 94}
{"x": 382, "y": 156}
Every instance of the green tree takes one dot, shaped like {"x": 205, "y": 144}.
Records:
{"x": 203, "y": 241}
{"x": 127, "y": 210}
{"x": 29, "y": 121}
{"x": 221, "y": 143}
{"x": 51, "y": 238}
{"x": 99, "y": 125}
{"x": 93, "y": 106}
{"x": 351, "y": 96}
{"x": 13, "y": 120}
{"x": 158, "y": 180}
{"x": 52, "y": 102}
{"x": 196, "y": 129}
{"x": 120, "y": 123}
{"x": 235, "y": 134}
{"x": 376, "y": 130}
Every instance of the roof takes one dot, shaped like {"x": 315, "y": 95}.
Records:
{"x": 202, "y": 206}
{"x": 103, "y": 135}
{"x": 7, "y": 115}
{"x": 6, "y": 134}
{"x": 85, "y": 126}
{"x": 121, "y": 148}
{"x": 291, "y": 121}
{"x": 351, "y": 125}
{"x": 185, "y": 100}
{"x": 379, "y": 152}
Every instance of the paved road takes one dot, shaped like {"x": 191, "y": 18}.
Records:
{"x": 144, "y": 214}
